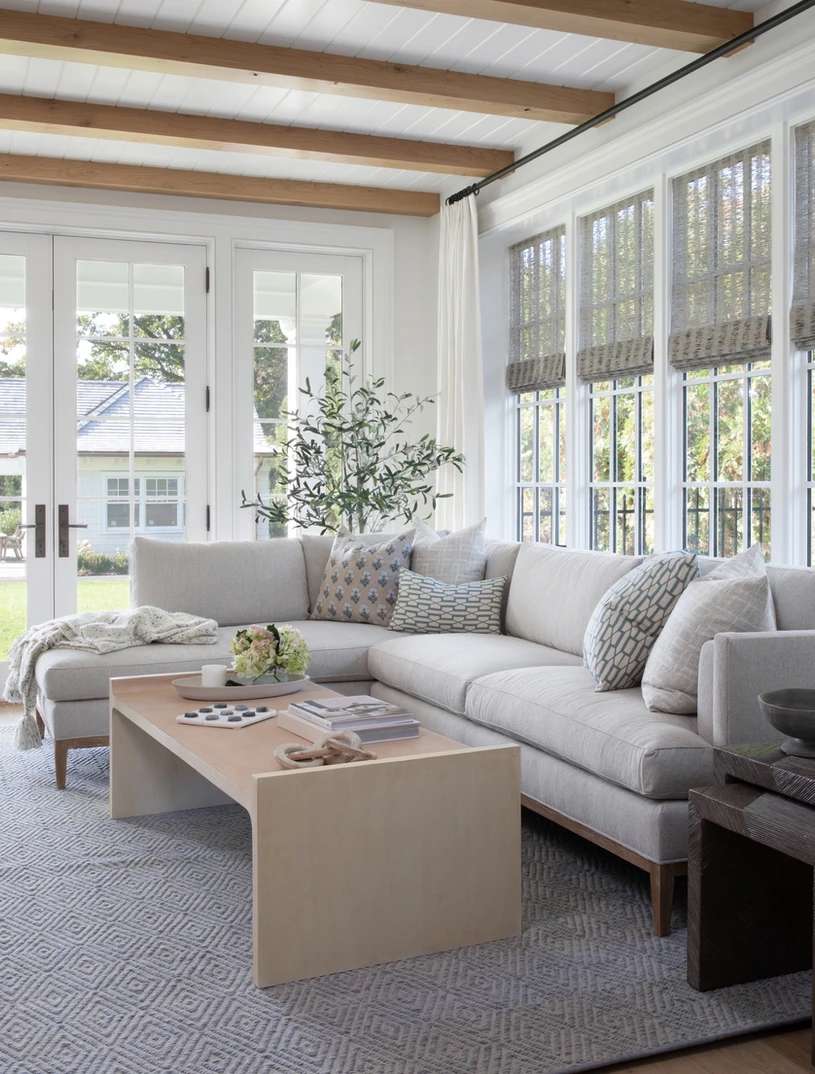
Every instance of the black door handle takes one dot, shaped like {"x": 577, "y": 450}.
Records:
{"x": 38, "y": 525}
{"x": 63, "y": 539}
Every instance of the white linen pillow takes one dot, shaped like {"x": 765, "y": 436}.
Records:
{"x": 734, "y": 596}
{"x": 453, "y": 558}
{"x": 629, "y": 617}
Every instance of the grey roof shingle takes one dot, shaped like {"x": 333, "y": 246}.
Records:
{"x": 103, "y": 412}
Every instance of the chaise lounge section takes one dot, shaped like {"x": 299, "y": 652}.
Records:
{"x": 600, "y": 764}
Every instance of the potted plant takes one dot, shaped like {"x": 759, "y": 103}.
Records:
{"x": 269, "y": 654}
{"x": 348, "y": 463}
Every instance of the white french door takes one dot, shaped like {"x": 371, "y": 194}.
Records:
{"x": 103, "y": 425}
{"x": 296, "y": 314}
{"x": 26, "y": 435}
{"x": 130, "y": 430}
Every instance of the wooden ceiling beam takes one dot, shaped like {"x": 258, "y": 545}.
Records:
{"x": 186, "y": 183}
{"x": 211, "y": 132}
{"x": 168, "y": 52}
{"x": 675, "y": 24}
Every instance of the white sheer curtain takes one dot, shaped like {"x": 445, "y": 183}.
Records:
{"x": 460, "y": 377}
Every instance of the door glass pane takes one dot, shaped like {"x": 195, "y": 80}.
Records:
{"x": 14, "y": 546}
{"x": 298, "y": 338}
{"x": 131, "y": 424}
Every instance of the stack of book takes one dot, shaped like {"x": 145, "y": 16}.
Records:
{"x": 371, "y": 719}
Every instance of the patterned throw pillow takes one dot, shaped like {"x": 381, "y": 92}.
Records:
{"x": 361, "y": 579}
{"x": 735, "y": 596}
{"x": 454, "y": 557}
{"x": 427, "y": 606}
{"x": 628, "y": 618}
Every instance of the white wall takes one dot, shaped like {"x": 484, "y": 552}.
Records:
{"x": 760, "y": 93}
{"x": 400, "y": 256}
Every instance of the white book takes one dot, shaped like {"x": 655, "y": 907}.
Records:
{"x": 369, "y": 734}
{"x": 352, "y": 721}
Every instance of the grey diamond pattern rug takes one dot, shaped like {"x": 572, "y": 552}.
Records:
{"x": 125, "y": 949}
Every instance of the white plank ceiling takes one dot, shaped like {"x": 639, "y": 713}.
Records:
{"x": 348, "y": 27}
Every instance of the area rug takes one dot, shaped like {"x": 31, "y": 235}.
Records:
{"x": 125, "y": 949}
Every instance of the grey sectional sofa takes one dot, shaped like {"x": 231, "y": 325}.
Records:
{"x": 599, "y": 764}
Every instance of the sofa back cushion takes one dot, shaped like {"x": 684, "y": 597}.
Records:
{"x": 233, "y": 582}
{"x": 555, "y": 590}
{"x": 316, "y": 549}
{"x": 793, "y": 590}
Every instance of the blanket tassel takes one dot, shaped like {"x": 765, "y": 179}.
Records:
{"x": 27, "y": 736}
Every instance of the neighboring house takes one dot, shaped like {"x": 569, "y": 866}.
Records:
{"x": 105, "y": 418}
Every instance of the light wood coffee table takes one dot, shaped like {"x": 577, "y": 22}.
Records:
{"x": 414, "y": 852}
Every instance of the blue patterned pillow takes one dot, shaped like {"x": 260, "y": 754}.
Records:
{"x": 361, "y": 579}
{"x": 629, "y": 617}
{"x": 427, "y": 606}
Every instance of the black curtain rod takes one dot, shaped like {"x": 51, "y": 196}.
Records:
{"x": 635, "y": 98}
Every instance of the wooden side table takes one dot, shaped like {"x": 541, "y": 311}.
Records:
{"x": 750, "y": 869}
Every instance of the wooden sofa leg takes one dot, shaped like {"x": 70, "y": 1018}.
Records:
{"x": 60, "y": 762}
{"x": 61, "y": 747}
{"x": 662, "y": 894}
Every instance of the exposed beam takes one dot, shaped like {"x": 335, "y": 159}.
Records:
{"x": 81, "y": 40}
{"x": 211, "y": 132}
{"x": 674, "y": 24}
{"x": 82, "y": 173}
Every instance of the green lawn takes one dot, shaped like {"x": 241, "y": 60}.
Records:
{"x": 93, "y": 595}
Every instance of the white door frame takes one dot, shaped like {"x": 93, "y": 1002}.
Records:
{"x": 67, "y": 251}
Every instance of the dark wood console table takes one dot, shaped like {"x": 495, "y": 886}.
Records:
{"x": 750, "y": 869}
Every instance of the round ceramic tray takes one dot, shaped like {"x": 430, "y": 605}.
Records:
{"x": 190, "y": 686}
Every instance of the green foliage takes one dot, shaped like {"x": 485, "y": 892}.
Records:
{"x": 10, "y": 519}
{"x": 89, "y": 561}
{"x": 348, "y": 463}
{"x": 156, "y": 353}
{"x": 12, "y": 350}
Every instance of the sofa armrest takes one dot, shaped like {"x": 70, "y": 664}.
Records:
{"x": 735, "y": 668}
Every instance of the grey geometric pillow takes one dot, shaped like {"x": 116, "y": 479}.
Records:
{"x": 361, "y": 579}
{"x": 427, "y": 606}
{"x": 456, "y": 557}
{"x": 629, "y": 617}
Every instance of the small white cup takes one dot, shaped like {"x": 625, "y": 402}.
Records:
{"x": 213, "y": 675}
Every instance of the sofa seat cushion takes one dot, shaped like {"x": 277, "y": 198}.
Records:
{"x": 439, "y": 667}
{"x": 339, "y": 653}
{"x": 612, "y": 735}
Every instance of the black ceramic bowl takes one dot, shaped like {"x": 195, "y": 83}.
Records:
{"x": 792, "y": 712}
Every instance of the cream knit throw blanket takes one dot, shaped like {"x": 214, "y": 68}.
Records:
{"x": 93, "y": 632}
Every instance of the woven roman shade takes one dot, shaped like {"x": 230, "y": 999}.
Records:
{"x": 617, "y": 290}
{"x": 720, "y": 309}
{"x": 802, "y": 314}
{"x": 537, "y": 322}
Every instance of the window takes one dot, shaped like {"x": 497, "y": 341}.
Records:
{"x": 802, "y": 314}
{"x": 541, "y": 491}
{"x": 118, "y": 503}
{"x": 158, "y": 500}
{"x": 162, "y": 507}
{"x": 720, "y": 341}
{"x": 616, "y": 360}
{"x": 622, "y": 439}
{"x": 537, "y": 376}
{"x": 727, "y": 458}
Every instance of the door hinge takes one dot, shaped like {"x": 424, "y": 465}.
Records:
{"x": 206, "y": 279}
{"x": 207, "y": 399}
{"x": 209, "y": 517}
